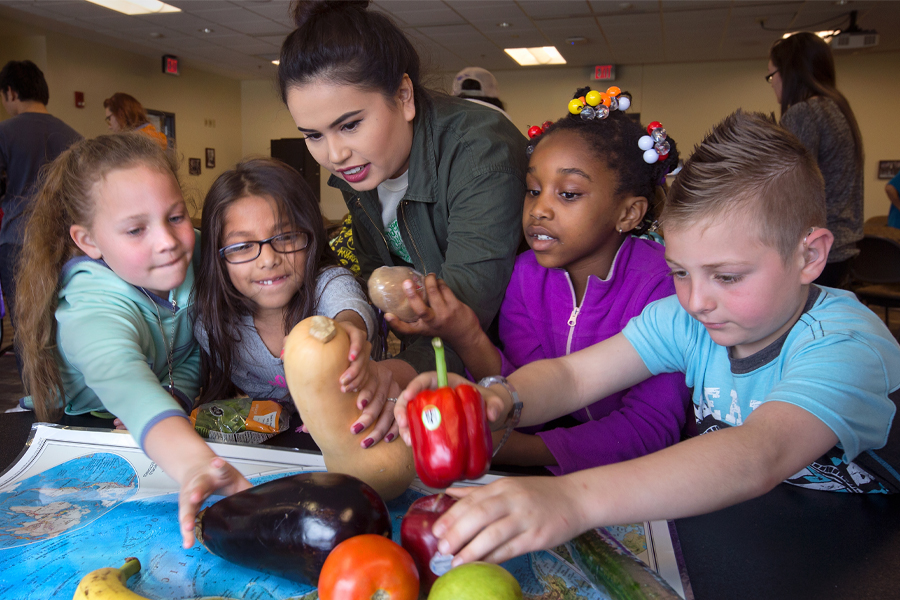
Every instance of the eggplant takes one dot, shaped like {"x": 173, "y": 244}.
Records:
{"x": 288, "y": 526}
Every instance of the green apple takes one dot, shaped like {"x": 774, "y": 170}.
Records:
{"x": 476, "y": 581}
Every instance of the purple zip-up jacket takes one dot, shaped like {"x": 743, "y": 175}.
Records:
{"x": 539, "y": 319}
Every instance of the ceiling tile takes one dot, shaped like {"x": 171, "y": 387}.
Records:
{"x": 277, "y": 10}
{"x": 548, "y": 9}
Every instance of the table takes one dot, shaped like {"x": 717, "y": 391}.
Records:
{"x": 790, "y": 543}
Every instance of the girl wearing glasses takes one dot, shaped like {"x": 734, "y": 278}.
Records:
{"x": 265, "y": 266}
{"x": 431, "y": 181}
{"x": 801, "y": 71}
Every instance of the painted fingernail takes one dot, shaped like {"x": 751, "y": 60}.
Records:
{"x": 365, "y": 403}
{"x": 352, "y": 357}
{"x": 389, "y": 437}
{"x": 368, "y": 442}
{"x": 358, "y": 427}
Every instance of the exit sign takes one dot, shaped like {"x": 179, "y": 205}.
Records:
{"x": 170, "y": 64}
{"x": 604, "y": 73}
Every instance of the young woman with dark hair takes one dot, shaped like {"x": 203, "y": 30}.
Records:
{"x": 802, "y": 74}
{"x": 431, "y": 181}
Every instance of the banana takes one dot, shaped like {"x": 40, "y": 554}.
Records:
{"x": 109, "y": 583}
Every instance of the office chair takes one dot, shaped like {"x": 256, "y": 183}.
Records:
{"x": 875, "y": 273}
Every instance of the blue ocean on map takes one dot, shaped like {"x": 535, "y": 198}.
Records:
{"x": 59, "y": 500}
{"x": 77, "y": 517}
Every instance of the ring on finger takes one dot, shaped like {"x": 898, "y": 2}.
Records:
{"x": 392, "y": 400}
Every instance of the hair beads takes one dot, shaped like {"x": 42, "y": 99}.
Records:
{"x": 597, "y": 105}
{"x": 654, "y": 145}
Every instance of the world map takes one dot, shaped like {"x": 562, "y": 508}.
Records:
{"x": 82, "y": 515}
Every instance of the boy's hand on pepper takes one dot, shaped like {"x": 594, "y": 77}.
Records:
{"x": 444, "y": 315}
{"x": 357, "y": 374}
{"x": 372, "y": 401}
{"x": 494, "y": 405}
{"x": 507, "y": 518}
{"x": 205, "y": 479}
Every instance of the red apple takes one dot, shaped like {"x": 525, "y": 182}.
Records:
{"x": 416, "y": 537}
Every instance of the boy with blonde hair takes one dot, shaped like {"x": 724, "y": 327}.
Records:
{"x": 790, "y": 380}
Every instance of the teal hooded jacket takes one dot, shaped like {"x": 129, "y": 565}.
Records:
{"x": 112, "y": 347}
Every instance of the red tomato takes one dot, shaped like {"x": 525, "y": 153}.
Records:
{"x": 369, "y": 567}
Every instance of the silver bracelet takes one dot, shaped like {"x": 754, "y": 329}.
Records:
{"x": 512, "y": 419}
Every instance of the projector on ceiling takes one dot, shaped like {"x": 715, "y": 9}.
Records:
{"x": 850, "y": 40}
{"x": 853, "y": 37}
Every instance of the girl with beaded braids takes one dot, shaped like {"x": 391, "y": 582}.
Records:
{"x": 431, "y": 181}
{"x": 590, "y": 188}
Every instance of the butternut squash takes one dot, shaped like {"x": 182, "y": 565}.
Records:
{"x": 315, "y": 356}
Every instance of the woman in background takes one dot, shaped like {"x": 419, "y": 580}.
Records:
{"x": 801, "y": 71}
{"x": 124, "y": 113}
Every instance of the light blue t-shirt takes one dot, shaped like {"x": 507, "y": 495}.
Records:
{"x": 893, "y": 213}
{"x": 838, "y": 362}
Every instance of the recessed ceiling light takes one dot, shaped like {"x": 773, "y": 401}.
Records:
{"x": 206, "y": 30}
{"x": 504, "y": 24}
{"x": 547, "y": 55}
{"x": 825, "y": 35}
{"x": 137, "y": 7}
{"x": 276, "y": 62}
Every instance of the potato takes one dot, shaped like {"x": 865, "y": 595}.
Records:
{"x": 386, "y": 291}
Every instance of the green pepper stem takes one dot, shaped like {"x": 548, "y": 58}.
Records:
{"x": 440, "y": 361}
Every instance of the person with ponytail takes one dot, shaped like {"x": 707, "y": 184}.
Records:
{"x": 431, "y": 181}
{"x": 590, "y": 195}
{"x": 125, "y": 113}
{"x": 801, "y": 71}
{"x": 106, "y": 309}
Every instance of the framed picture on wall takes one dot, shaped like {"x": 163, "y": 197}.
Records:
{"x": 210, "y": 158}
{"x": 888, "y": 169}
{"x": 194, "y": 166}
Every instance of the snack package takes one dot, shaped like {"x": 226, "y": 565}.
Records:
{"x": 240, "y": 420}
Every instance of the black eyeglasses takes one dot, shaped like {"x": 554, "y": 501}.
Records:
{"x": 283, "y": 243}
{"x": 770, "y": 76}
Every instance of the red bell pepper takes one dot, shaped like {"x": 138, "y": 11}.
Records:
{"x": 451, "y": 438}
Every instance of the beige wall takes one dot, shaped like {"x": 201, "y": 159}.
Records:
{"x": 687, "y": 98}
{"x": 196, "y": 97}
{"x": 265, "y": 118}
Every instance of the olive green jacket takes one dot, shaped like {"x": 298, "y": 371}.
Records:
{"x": 461, "y": 217}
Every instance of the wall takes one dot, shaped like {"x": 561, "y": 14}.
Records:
{"x": 265, "y": 118}
{"x": 196, "y": 97}
{"x": 690, "y": 98}
{"x": 687, "y": 98}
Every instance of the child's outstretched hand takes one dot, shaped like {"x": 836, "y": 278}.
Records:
{"x": 444, "y": 315}
{"x": 508, "y": 518}
{"x": 201, "y": 482}
{"x": 373, "y": 401}
{"x": 494, "y": 404}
